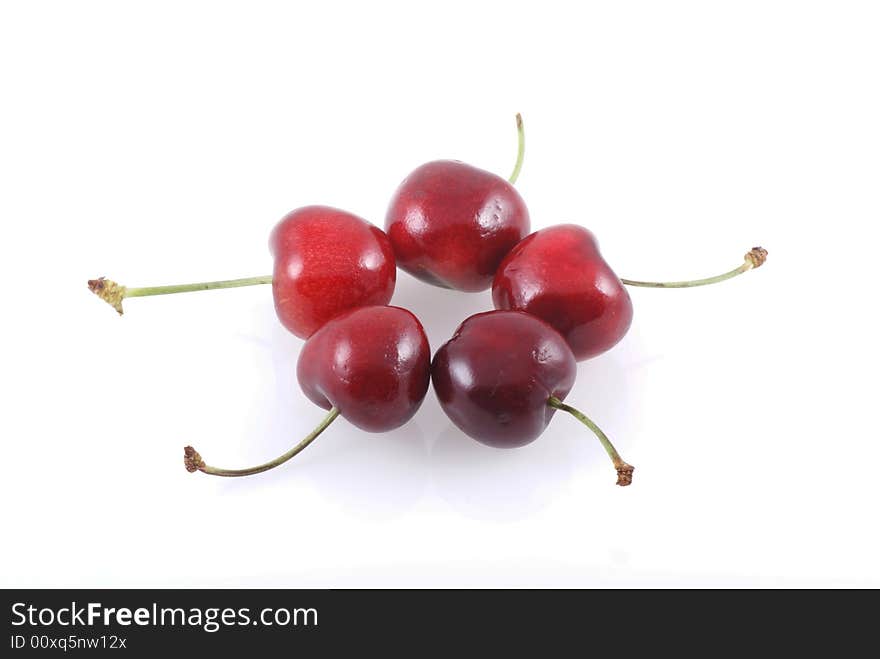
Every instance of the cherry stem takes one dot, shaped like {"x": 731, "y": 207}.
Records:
{"x": 624, "y": 470}
{"x": 520, "y": 149}
{"x": 754, "y": 258}
{"x": 194, "y": 462}
{"x": 113, "y": 293}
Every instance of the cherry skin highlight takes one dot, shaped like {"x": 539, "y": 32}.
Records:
{"x": 371, "y": 363}
{"x": 494, "y": 377}
{"x": 328, "y": 261}
{"x": 558, "y": 275}
{"x": 451, "y": 224}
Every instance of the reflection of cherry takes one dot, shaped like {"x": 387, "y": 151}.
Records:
{"x": 502, "y": 376}
{"x": 558, "y": 275}
{"x": 370, "y": 365}
{"x": 451, "y": 223}
{"x": 326, "y": 261}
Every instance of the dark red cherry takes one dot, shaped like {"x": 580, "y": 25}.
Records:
{"x": 451, "y": 224}
{"x": 371, "y": 363}
{"x": 328, "y": 261}
{"x": 558, "y": 275}
{"x": 503, "y": 375}
{"x": 494, "y": 377}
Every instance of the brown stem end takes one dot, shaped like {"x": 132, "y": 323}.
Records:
{"x": 109, "y": 291}
{"x": 519, "y": 121}
{"x": 625, "y": 474}
{"x": 756, "y": 256}
{"x": 192, "y": 460}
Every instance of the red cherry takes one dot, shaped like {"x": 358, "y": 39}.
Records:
{"x": 451, "y": 224}
{"x": 494, "y": 376}
{"x": 328, "y": 261}
{"x": 370, "y": 365}
{"x": 558, "y": 275}
{"x": 503, "y": 375}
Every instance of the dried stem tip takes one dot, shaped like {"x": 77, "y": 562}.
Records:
{"x": 109, "y": 291}
{"x": 192, "y": 460}
{"x": 756, "y": 256}
{"x": 625, "y": 474}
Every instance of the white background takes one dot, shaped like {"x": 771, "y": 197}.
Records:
{"x": 159, "y": 142}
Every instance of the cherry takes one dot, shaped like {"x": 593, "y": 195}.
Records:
{"x": 370, "y": 365}
{"x": 558, "y": 275}
{"x": 326, "y": 261}
{"x": 451, "y": 224}
{"x": 494, "y": 376}
{"x": 502, "y": 376}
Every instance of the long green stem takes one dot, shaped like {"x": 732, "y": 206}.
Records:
{"x": 193, "y": 461}
{"x": 201, "y": 286}
{"x": 624, "y": 470}
{"x": 520, "y": 148}
{"x": 113, "y": 293}
{"x": 754, "y": 258}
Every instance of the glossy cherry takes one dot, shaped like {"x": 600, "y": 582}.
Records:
{"x": 328, "y": 261}
{"x": 451, "y": 224}
{"x": 502, "y": 376}
{"x": 370, "y": 365}
{"x": 494, "y": 376}
{"x": 558, "y": 275}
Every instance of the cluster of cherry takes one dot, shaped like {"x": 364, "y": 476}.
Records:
{"x": 504, "y": 373}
